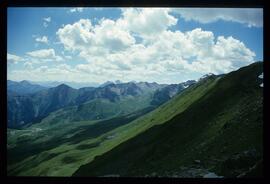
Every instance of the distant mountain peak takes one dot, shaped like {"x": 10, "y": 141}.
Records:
{"x": 118, "y": 82}
{"x": 25, "y": 82}
{"x": 106, "y": 83}
{"x": 206, "y": 75}
{"x": 62, "y": 86}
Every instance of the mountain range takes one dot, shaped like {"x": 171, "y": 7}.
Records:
{"x": 76, "y": 85}
{"x": 26, "y": 107}
{"x": 209, "y": 128}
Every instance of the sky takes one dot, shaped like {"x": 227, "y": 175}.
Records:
{"x": 164, "y": 45}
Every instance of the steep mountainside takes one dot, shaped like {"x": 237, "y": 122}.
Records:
{"x": 23, "y": 109}
{"x": 20, "y": 110}
{"x": 219, "y": 134}
{"x": 164, "y": 94}
{"x": 99, "y": 108}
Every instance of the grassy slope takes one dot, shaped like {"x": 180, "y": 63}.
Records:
{"x": 98, "y": 109}
{"x": 56, "y": 156}
{"x": 222, "y": 129}
{"x": 43, "y": 149}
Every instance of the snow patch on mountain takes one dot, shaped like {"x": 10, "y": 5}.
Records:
{"x": 205, "y": 76}
{"x": 261, "y": 77}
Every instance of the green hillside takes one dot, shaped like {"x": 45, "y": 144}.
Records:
{"x": 212, "y": 129}
{"x": 98, "y": 109}
{"x": 43, "y": 149}
{"x": 58, "y": 149}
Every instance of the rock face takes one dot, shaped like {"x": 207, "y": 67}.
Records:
{"x": 239, "y": 162}
{"x": 163, "y": 95}
{"x": 206, "y": 76}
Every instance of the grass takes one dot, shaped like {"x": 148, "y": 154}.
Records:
{"x": 222, "y": 130}
{"x": 36, "y": 150}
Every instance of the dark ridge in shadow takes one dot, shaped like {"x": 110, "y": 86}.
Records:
{"x": 87, "y": 146}
{"x": 68, "y": 160}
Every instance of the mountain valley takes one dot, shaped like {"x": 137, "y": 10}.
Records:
{"x": 208, "y": 128}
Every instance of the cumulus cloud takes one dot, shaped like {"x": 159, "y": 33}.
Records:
{"x": 104, "y": 37}
{"x": 43, "y": 39}
{"x": 112, "y": 51}
{"x": 14, "y": 58}
{"x": 250, "y": 17}
{"x": 45, "y": 55}
{"x": 146, "y": 21}
{"x": 140, "y": 45}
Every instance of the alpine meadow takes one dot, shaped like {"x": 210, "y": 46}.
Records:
{"x": 135, "y": 92}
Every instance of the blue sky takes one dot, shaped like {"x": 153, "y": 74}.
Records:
{"x": 101, "y": 44}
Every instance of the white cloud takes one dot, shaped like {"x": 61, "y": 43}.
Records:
{"x": 61, "y": 72}
{"x": 232, "y": 49}
{"x": 105, "y": 37}
{"x": 14, "y": 58}
{"x": 28, "y": 65}
{"x": 45, "y": 55}
{"x": 43, "y": 39}
{"x": 146, "y": 21}
{"x": 250, "y": 17}
{"x": 77, "y": 35}
{"x": 111, "y": 50}
{"x": 46, "y": 21}
{"x": 72, "y": 10}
